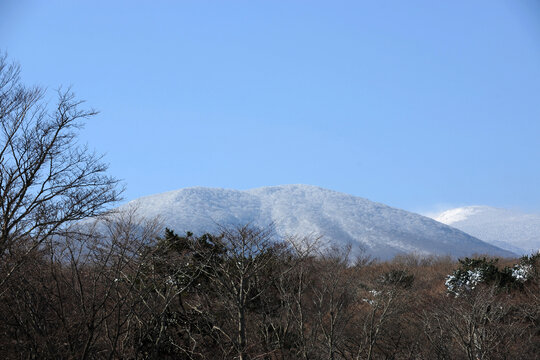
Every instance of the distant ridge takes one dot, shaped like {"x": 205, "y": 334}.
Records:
{"x": 511, "y": 230}
{"x": 381, "y": 231}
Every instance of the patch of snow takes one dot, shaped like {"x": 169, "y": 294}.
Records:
{"x": 522, "y": 272}
{"x": 467, "y": 281}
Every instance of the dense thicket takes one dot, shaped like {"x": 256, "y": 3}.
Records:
{"x": 120, "y": 292}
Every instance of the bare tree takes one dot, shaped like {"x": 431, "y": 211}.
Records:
{"x": 333, "y": 296}
{"x": 77, "y": 298}
{"x": 283, "y": 320}
{"x": 47, "y": 179}
{"x": 172, "y": 317}
{"x": 240, "y": 276}
{"x": 482, "y": 324}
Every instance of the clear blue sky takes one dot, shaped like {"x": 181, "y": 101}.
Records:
{"x": 416, "y": 104}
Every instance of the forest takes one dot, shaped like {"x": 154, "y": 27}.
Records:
{"x": 121, "y": 290}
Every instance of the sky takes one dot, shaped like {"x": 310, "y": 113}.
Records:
{"x": 421, "y": 105}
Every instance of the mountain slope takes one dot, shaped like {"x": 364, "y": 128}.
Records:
{"x": 510, "y": 230}
{"x": 380, "y": 230}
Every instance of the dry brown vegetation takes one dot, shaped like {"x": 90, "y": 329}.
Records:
{"x": 121, "y": 292}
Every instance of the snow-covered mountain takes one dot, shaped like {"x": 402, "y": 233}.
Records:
{"x": 511, "y": 230}
{"x": 380, "y": 230}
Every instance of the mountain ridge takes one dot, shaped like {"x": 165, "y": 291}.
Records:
{"x": 509, "y": 229}
{"x": 380, "y": 230}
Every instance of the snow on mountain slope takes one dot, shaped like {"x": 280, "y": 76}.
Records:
{"x": 380, "y": 230}
{"x": 510, "y": 230}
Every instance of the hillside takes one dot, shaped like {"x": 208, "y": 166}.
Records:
{"x": 379, "y": 230}
{"x": 511, "y": 230}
